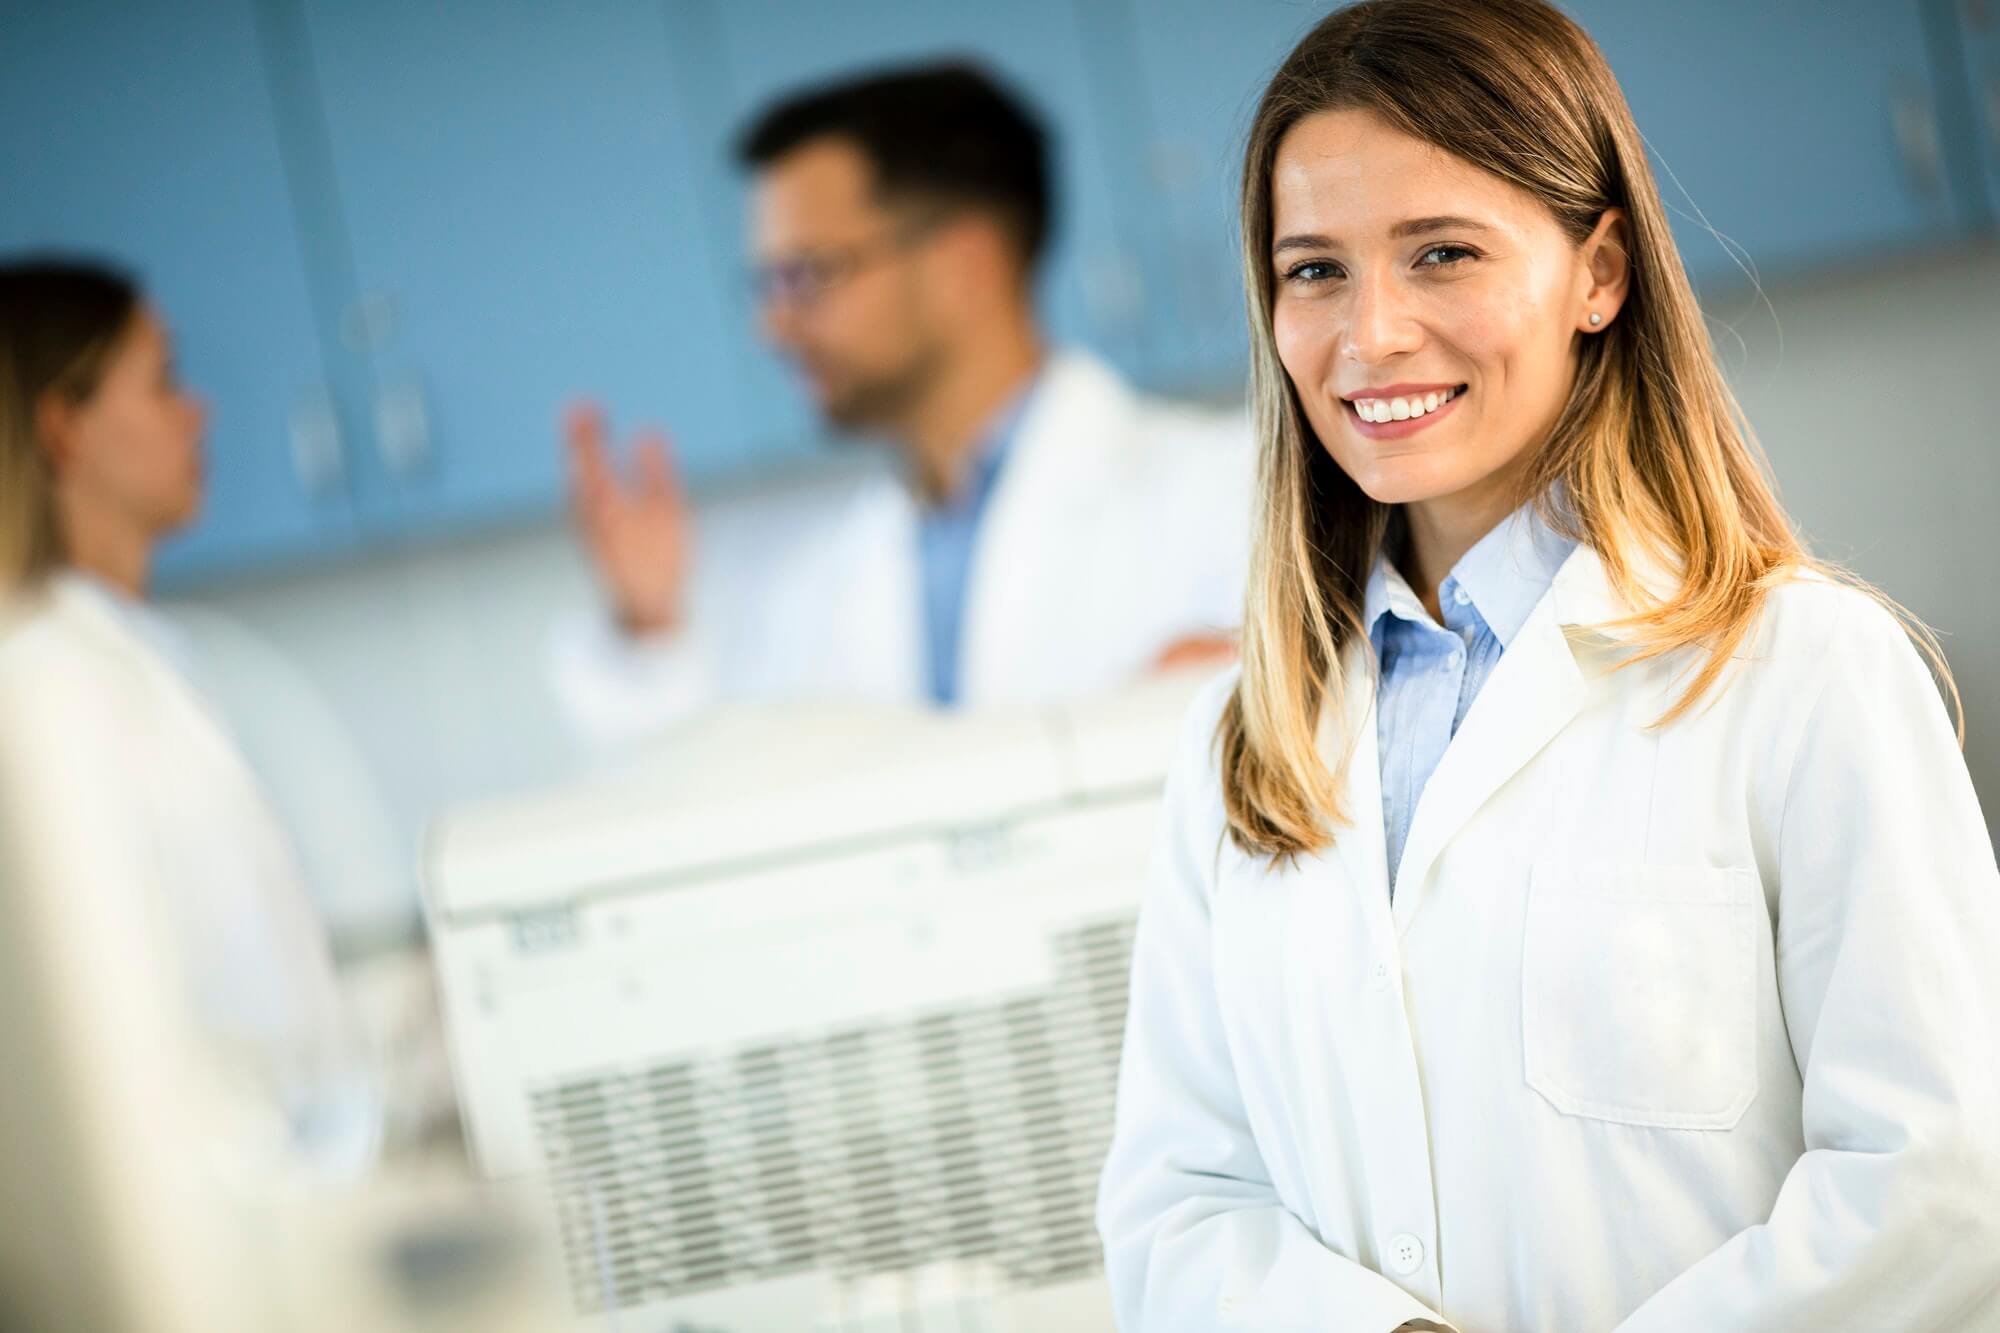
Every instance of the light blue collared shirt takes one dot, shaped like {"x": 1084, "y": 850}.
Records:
{"x": 1431, "y": 673}
{"x": 947, "y": 534}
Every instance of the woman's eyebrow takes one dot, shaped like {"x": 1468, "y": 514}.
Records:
{"x": 1313, "y": 240}
{"x": 1302, "y": 241}
{"x": 1448, "y": 222}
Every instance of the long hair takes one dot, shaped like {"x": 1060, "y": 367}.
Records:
{"x": 1651, "y": 453}
{"x": 59, "y": 322}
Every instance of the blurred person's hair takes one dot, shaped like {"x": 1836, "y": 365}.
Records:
{"x": 60, "y": 320}
{"x": 1651, "y": 452}
{"x": 939, "y": 135}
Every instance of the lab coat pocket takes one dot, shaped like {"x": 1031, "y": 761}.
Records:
{"x": 1638, "y": 992}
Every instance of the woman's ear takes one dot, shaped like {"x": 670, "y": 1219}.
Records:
{"x": 1606, "y": 264}
{"x": 55, "y": 427}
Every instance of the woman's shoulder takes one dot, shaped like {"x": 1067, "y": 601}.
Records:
{"x": 1193, "y": 797}
{"x": 45, "y": 628}
{"x": 1815, "y": 619}
{"x": 64, "y": 666}
{"x": 1199, "y": 725}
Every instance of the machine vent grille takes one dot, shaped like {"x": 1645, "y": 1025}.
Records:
{"x": 969, "y": 1133}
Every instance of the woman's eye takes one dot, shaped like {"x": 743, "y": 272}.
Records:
{"x": 1311, "y": 270}
{"x": 1442, "y": 256}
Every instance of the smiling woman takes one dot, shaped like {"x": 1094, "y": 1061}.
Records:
{"x": 1505, "y": 247}
{"x": 1576, "y": 913}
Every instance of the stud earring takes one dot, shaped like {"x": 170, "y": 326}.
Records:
{"x": 1595, "y": 318}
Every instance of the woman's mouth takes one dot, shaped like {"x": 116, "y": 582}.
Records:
{"x": 1388, "y": 416}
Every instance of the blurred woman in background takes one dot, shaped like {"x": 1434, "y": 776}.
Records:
{"x": 100, "y": 459}
{"x": 1576, "y": 912}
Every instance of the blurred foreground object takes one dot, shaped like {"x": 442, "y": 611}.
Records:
{"x": 811, "y": 1018}
{"x": 180, "y": 1147}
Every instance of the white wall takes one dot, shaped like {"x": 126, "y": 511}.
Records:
{"x": 1876, "y": 394}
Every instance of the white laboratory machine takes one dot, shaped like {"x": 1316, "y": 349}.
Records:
{"x": 811, "y": 1019}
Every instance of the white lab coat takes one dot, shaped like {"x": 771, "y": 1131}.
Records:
{"x": 1118, "y": 525}
{"x": 1675, "y": 1030}
{"x": 119, "y": 731}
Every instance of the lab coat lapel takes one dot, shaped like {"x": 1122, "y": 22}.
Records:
{"x": 1328, "y": 891}
{"x": 875, "y": 626}
{"x": 1348, "y": 736}
{"x": 1534, "y": 691}
{"x": 1028, "y": 553}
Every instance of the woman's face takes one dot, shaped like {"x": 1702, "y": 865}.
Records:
{"x": 1427, "y": 311}
{"x": 130, "y": 454}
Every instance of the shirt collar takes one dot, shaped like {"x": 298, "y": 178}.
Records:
{"x": 1389, "y": 593}
{"x": 996, "y": 441}
{"x": 1506, "y": 573}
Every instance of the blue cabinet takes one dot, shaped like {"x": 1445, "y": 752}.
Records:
{"x": 1801, "y": 132}
{"x": 1975, "y": 24}
{"x": 397, "y": 239}
{"x": 143, "y": 134}
{"x": 537, "y": 203}
{"x": 1197, "y": 71}
{"x": 519, "y": 213}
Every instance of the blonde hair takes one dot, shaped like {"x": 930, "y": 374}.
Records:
{"x": 1651, "y": 451}
{"x": 59, "y": 323}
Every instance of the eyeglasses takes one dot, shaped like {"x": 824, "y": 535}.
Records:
{"x": 803, "y": 280}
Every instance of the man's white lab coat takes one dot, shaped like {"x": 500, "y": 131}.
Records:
{"x": 1666, "y": 1030}
{"x": 1118, "y": 525}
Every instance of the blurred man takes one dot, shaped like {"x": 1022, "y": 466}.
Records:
{"x": 1035, "y": 531}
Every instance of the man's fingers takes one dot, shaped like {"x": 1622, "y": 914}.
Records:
{"x": 1197, "y": 650}
{"x": 657, "y": 475}
{"x": 583, "y": 427}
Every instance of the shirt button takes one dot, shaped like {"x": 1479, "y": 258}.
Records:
{"x": 1461, "y": 596}
{"x": 1406, "y": 1254}
{"x": 1378, "y": 977}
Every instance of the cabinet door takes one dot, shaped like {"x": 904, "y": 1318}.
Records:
{"x": 1091, "y": 287}
{"x": 144, "y": 134}
{"x": 1970, "y": 30}
{"x": 1803, "y": 131}
{"x": 516, "y": 195}
{"x": 1199, "y": 71}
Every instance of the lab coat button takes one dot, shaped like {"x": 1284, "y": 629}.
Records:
{"x": 1378, "y": 977}
{"x": 1406, "y": 1254}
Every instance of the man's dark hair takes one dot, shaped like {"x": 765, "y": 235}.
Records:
{"x": 942, "y": 134}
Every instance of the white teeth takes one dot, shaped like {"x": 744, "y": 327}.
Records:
{"x": 1401, "y": 409}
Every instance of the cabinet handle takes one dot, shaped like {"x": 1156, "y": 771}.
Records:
{"x": 369, "y": 322}
{"x": 403, "y": 427}
{"x": 1917, "y": 141}
{"x": 316, "y": 451}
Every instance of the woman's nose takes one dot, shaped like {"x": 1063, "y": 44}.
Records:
{"x": 1379, "y": 323}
